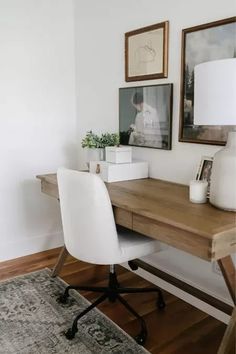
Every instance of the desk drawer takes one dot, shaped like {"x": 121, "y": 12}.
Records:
{"x": 123, "y": 217}
{"x": 171, "y": 235}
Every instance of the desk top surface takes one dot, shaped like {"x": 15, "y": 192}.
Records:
{"x": 167, "y": 203}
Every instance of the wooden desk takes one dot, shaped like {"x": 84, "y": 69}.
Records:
{"x": 162, "y": 210}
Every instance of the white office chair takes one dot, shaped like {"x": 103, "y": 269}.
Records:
{"x": 90, "y": 235}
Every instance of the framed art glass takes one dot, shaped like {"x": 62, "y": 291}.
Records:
{"x": 145, "y": 116}
{"x": 146, "y": 52}
{"x": 204, "y": 43}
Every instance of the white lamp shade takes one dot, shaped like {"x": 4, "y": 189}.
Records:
{"x": 215, "y": 93}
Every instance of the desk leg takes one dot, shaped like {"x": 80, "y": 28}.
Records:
{"x": 60, "y": 262}
{"x": 227, "y": 267}
{"x": 227, "y": 345}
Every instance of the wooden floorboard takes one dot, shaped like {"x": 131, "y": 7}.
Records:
{"x": 179, "y": 329}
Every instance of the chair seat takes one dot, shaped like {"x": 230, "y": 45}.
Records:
{"x": 134, "y": 245}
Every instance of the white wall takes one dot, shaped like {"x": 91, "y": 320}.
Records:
{"x": 37, "y": 118}
{"x": 100, "y": 28}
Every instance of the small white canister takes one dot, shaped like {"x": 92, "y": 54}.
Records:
{"x": 198, "y": 191}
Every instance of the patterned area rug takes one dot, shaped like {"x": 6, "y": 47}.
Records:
{"x": 32, "y": 322}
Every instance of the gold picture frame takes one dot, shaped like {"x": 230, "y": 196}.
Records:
{"x": 146, "y": 52}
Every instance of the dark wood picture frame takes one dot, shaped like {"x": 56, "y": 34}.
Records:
{"x": 156, "y": 115}
{"x": 188, "y": 132}
{"x": 146, "y": 52}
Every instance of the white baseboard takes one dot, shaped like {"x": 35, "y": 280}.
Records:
{"x": 28, "y": 246}
{"x": 210, "y": 310}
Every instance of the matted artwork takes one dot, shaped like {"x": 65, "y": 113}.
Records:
{"x": 212, "y": 41}
{"x": 146, "y": 52}
{"x": 145, "y": 116}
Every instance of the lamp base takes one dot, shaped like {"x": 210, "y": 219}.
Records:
{"x": 223, "y": 176}
{"x": 222, "y": 208}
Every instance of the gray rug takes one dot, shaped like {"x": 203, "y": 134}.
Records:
{"x": 32, "y": 322}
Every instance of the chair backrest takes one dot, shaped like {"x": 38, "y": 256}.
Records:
{"x": 87, "y": 217}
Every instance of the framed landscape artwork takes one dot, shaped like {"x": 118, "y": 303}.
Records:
{"x": 145, "y": 116}
{"x": 146, "y": 52}
{"x": 200, "y": 44}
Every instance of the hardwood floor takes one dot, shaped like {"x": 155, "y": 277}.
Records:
{"x": 179, "y": 329}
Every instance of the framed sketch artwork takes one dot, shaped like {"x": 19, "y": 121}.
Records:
{"x": 145, "y": 116}
{"x": 146, "y": 52}
{"x": 212, "y": 41}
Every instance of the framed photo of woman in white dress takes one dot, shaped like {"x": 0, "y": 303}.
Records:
{"x": 145, "y": 116}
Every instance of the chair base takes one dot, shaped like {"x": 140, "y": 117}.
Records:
{"x": 112, "y": 293}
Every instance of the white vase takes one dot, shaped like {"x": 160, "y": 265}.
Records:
{"x": 94, "y": 154}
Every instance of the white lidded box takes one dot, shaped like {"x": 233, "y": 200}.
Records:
{"x": 121, "y": 154}
{"x": 114, "y": 172}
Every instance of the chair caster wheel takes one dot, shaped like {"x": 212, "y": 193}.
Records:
{"x": 70, "y": 334}
{"x": 161, "y": 304}
{"x": 132, "y": 265}
{"x": 141, "y": 338}
{"x": 62, "y": 299}
{"x": 160, "y": 301}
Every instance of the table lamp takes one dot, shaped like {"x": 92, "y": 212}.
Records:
{"x": 215, "y": 104}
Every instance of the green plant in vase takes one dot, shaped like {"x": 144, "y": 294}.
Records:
{"x": 110, "y": 139}
{"x": 96, "y": 144}
{"x": 92, "y": 142}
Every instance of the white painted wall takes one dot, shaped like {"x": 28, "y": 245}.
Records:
{"x": 100, "y": 28}
{"x": 37, "y": 118}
